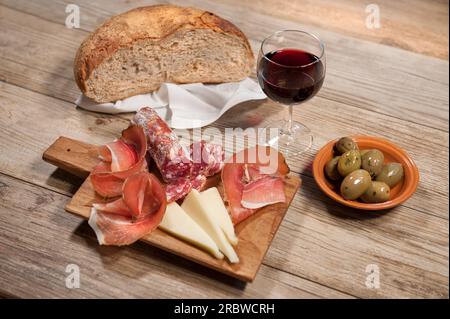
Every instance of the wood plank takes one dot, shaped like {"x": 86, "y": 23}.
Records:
{"x": 404, "y": 24}
{"x": 255, "y": 234}
{"x": 328, "y": 243}
{"x": 39, "y": 240}
{"x": 72, "y": 156}
{"x": 418, "y": 94}
{"x": 26, "y": 135}
{"x": 315, "y": 230}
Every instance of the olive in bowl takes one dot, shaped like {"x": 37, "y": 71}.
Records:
{"x": 372, "y": 161}
{"x": 331, "y": 169}
{"x": 404, "y": 176}
{"x": 348, "y": 162}
{"x": 391, "y": 174}
{"x": 346, "y": 144}
{"x": 355, "y": 184}
{"x": 378, "y": 192}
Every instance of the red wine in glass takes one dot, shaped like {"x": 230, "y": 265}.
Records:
{"x": 290, "y": 76}
{"x": 291, "y": 70}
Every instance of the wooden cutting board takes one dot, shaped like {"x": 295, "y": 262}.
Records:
{"x": 255, "y": 234}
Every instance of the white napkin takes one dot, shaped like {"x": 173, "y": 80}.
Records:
{"x": 184, "y": 106}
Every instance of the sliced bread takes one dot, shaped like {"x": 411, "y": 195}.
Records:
{"x": 135, "y": 52}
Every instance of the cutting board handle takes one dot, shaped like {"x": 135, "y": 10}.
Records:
{"x": 75, "y": 157}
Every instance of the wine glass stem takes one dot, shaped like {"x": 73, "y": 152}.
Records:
{"x": 290, "y": 119}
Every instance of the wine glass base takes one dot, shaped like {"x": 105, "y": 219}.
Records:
{"x": 291, "y": 143}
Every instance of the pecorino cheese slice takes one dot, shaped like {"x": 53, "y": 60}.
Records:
{"x": 194, "y": 207}
{"x": 212, "y": 202}
{"x": 179, "y": 224}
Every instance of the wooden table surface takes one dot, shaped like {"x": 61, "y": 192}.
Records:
{"x": 391, "y": 82}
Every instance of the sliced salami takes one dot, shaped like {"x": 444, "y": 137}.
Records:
{"x": 207, "y": 158}
{"x": 182, "y": 170}
{"x": 179, "y": 189}
{"x": 171, "y": 158}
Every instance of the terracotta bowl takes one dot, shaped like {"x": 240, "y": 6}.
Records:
{"x": 392, "y": 153}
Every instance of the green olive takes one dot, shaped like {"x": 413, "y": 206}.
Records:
{"x": 391, "y": 174}
{"x": 378, "y": 192}
{"x": 372, "y": 161}
{"x": 362, "y": 152}
{"x": 346, "y": 144}
{"x": 349, "y": 162}
{"x": 355, "y": 184}
{"x": 331, "y": 169}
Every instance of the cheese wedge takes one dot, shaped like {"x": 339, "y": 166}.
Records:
{"x": 212, "y": 202}
{"x": 195, "y": 208}
{"x": 179, "y": 224}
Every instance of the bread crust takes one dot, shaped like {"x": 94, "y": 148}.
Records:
{"x": 150, "y": 22}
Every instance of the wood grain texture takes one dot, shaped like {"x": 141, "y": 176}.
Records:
{"x": 376, "y": 86}
{"x": 333, "y": 244}
{"x": 35, "y": 251}
{"x": 405, "y": 24}
{"x": 321, "y": 248}
{"x": 255, "y": 234}
{"x": 73, "y": 156}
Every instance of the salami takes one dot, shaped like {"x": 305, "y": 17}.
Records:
{"x": 207, "y": 158}
{"x": 179, "y": 189}
{"x": 171, "y": 158}
{"x": 198, "y": 182}
{"x": 182, "y": 170}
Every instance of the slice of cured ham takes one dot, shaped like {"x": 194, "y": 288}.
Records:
{"x": 123, "y": 155}
{"x": 243, "y": 170}
{"x": 117, "y": 207}
{"x": 138, "y": 212}
{"x": 120, "y": 159}
{"x": 264, "y": 191}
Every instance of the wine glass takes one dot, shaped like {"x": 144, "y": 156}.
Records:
{"x": 291, "y": 70}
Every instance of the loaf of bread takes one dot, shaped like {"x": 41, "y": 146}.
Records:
{"x": 135, "y": 52}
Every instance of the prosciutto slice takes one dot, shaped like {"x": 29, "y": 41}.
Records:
{"x": 123, "y": 155}
{"x": 119, "y": 160}
{"x": 264, "y": 191}
{"x": 117, "y": 207}
{"x": 247, "y": 178}
{"x": 138, "y": 212}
